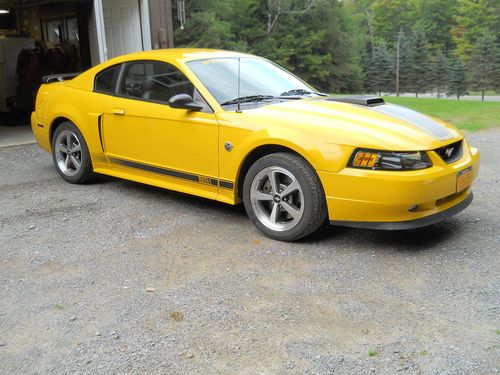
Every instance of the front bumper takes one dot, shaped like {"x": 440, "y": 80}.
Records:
{"x": 408, "y": 224}
{"x": 398, "y": 200}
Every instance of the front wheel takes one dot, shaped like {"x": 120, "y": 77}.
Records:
{"x": 283, "y": 197}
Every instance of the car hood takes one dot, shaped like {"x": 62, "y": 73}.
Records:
{"x": 385, "y": 126}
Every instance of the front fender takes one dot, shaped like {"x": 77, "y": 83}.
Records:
{"x": 251, "y": 134}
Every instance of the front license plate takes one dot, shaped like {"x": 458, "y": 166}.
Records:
{"x": 464, "y": 179}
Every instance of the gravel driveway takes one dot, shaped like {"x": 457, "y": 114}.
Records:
{"x": 118, "y": 277}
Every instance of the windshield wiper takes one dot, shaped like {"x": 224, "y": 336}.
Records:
{"x": 299, "y": 92}
{"x": 248, "y": 99}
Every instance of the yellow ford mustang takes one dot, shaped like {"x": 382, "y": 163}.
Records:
{"x": 235, "y": 127}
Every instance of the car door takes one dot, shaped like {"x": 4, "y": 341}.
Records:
{"x": 141, "y": 131}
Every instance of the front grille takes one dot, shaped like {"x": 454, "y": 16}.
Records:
{"x": 451, "y": 153}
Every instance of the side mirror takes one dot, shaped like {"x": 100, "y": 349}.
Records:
{"x": 184, "y": 101}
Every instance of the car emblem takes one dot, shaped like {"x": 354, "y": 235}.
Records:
{"x": 228, "y": 146}
{"x": 449, "y": 151}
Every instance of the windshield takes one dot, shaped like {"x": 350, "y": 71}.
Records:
{"x": 259, "y": 77}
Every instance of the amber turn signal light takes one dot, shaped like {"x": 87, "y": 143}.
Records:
{"x": 365, "y": 159}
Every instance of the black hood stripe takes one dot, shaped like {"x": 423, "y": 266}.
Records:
{"x": 416, "y": 119}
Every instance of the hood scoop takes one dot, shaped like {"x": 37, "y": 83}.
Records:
{"x": 367, "y": 101}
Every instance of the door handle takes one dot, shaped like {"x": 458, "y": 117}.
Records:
{"x": 118, "y": 111}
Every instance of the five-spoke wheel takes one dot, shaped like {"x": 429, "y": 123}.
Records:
{"x": 284, "y": 197}
{"x": 70, "y": 154}
{"x": 277, "y": 198}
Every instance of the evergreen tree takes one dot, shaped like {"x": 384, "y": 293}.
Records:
{"x": 205, "y": 30}
{"x": 404, "y": 62}
{"x": 456, "y": 79}
{"x": 329, "y": 42}
{"x": 380, "y": 71}
{"x": 418, "y": 69}
{"x": 439, "y": 72}
{"x": 484, "y": 65}
{"x": 319, "y": 40}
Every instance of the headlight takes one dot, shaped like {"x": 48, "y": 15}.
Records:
{"x": 389, "y": 160}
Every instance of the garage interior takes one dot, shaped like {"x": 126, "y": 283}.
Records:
{"x": 41, "y": 37}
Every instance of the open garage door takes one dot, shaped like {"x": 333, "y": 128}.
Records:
{"x": 122, "y": 26}
{"x": 119, "y": 27}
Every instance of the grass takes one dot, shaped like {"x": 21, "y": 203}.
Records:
{"x": 467, "y": 115}
{"x": 372, "y": 353}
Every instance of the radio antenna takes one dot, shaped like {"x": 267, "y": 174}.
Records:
{"x": 238, "y": 110}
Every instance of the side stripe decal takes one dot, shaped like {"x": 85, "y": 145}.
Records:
{"x": 226, "y": 184}
{"x": 173, "y": 173}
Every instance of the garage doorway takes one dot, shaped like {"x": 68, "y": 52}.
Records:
{"x": 66, "y": 36}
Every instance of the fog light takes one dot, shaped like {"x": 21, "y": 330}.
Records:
{"x": 413, "y": 208}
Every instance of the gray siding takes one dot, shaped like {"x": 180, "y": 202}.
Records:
{"x": 162, "y": 31}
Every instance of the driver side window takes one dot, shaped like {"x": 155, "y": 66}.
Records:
{"x": 154, "y": 81}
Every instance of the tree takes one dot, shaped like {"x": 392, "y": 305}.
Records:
{"x": 418, "y": 70}
{"x": 227, "y": 24}
{"x": 439, "y": 72}
{"x": 332, "y": 43}
{"x": 318, "y": 40}
{"x": 389, "y": 17}
{"x": 345, "y": 46}
{"x": 320, "y": 45}
{"x": 405, "y": 63}
{"x": 277, "y": 8}
{"x": 484, "y": 65}
{"x": 204, "y": 30}
{"x": 456, "y": 79}
{"x": 401, "y": 58}
{"x": 436, "y": 17}
{"x": 472, "y": 17}
{"x": 379, "y": 73}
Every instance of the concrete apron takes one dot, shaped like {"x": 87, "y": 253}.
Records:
{"x": 16, "y": 135}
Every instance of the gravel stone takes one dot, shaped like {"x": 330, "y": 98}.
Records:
{"x": 427, "y": 300}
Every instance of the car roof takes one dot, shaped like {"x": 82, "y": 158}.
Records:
{"x": 85, "y": 81}
{"x": 185, "y": 54}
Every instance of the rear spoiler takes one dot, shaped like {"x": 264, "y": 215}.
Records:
{"x": 58, "y": 77}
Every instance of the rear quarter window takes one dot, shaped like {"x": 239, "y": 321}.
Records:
{"x": 105, "y": 81}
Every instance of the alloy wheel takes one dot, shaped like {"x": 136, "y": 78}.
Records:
{"x": 277, "y": 198}
{"x": 68, "y": 153}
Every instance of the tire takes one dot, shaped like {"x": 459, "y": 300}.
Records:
{"x": 73, "y": 164}
{"x": 291, "y": 208}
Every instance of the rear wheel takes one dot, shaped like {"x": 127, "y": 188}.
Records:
{"x": 70, "y": 154}
{"x": 284, "y": 197}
